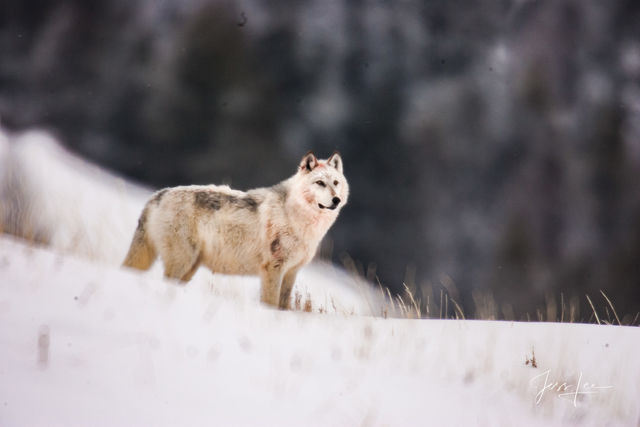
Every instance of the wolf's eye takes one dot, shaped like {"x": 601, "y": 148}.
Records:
{"x": 335, "y": 183}
{"x": 321, "y": 183}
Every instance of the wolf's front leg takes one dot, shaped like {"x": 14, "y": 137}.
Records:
{"x": 271, "y": 278}
{"x": 285, "y": 290}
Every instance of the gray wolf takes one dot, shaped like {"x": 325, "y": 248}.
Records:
{"x": 270, "y": 232}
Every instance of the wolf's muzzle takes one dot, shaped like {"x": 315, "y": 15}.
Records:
{"x": 336, "y": 202}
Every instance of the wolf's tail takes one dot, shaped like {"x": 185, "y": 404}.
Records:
{"x": 141, "y": 252}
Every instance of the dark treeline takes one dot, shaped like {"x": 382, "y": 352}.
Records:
{"x": 493, "y": 147}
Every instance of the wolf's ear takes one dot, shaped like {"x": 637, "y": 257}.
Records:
{"x": 336, "y": 161}
{"x": 309, "y": 162}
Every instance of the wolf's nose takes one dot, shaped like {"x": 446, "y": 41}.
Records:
{"x": 336, "y": 200}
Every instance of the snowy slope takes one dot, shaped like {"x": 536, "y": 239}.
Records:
{"x": 85, "y": 344}
{"x": 53, "y": 197}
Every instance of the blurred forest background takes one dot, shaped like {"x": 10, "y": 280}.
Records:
{"x": 492, "y": 146}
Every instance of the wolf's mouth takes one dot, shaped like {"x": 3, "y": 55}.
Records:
{"x": 327, "y": 207}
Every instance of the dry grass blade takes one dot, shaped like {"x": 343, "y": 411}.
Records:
{"x": 393, "y": 305}
{"x": 401, "y": 307}
{"x": 416, "y": 307}
{"x": 457, "y": 306}
{"x": 308, "y": 306}
{"x": 428, "y": 314}
{"x": 594, "y": 309}
{"x": 446, "y": 306}
{"x": 298, "y": 301}
{"x": 611, "y": 305}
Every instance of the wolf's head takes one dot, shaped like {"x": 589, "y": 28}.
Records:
{"x": 322, "y": 183}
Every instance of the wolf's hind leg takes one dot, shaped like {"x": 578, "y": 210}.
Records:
{"x": 181, "y": 263}
{"x": 141, "y": 251}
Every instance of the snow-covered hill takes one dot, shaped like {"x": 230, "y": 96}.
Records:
{"x": 88, "y": 344}
{"x": 84, "y": 342}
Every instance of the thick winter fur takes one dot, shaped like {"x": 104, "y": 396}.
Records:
{"x": 270, "y": 232}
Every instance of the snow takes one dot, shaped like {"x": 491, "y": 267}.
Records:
{"x": 85, "y": 342}
{"x": 74, "y": 206}
{"x": 128, "y": 349}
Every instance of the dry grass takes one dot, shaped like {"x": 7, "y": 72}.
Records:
{"x": 304, "y": 303}
{"x": 594, "y": 309}
{"x": 440, "y": 304}
{"x": 308, "y": 307}
{"x": 531, "y": 361}
{"x": 611, "y": 305}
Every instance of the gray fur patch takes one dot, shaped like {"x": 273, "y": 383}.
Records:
{"x": 215, "y": 201}
{"x": 142, "y": 221}
{"x": 158, "y": 196}
{"x": 281, "y": 191}
{"x": 275, "y": 245}
{"x": 208, "y": 200}
{"x": 251, "y": 203}
{"x": 192, "y": 243}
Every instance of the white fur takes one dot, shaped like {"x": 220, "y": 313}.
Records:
{"x": 271, "y": 232}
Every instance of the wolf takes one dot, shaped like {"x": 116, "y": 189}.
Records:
{"x": 270, "y": 232}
